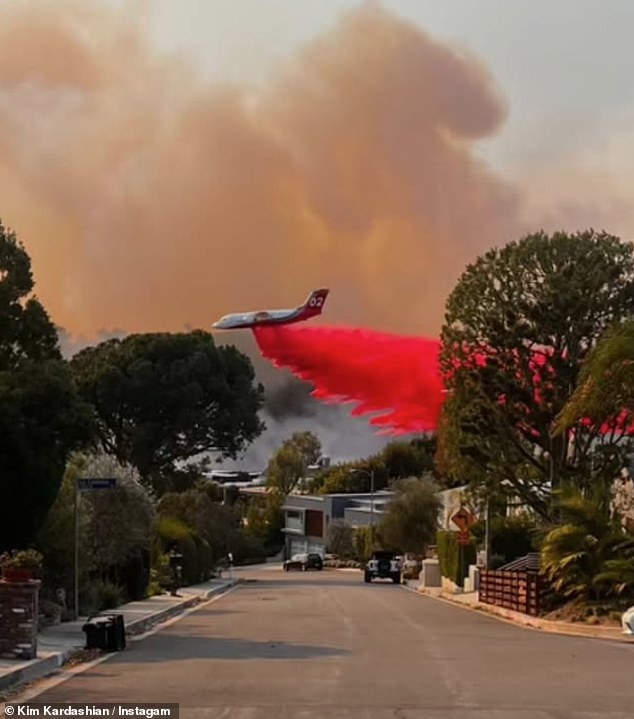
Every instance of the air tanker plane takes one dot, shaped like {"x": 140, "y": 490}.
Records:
{"x": 262, "y": 318}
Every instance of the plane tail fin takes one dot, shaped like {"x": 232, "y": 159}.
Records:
{"x": 315, "y": 302}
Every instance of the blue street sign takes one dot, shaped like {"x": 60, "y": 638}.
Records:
{"x": 88, "y": 483}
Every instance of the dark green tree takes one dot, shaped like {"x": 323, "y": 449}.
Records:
{"x": 410, "y": 459}
{"x": 605, "y": 389}
{"x": 289, "y": 464}
{"x": 164, "y": 398}
{"x": 411, "y": 520}
{"x": 41, "y": 417}
{"x": 397, "y": 460}
{"x": 518, "y": 326}
{"x": 218, "y": 524}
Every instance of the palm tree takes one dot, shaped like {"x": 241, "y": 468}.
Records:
{"x": 589, "y": 556}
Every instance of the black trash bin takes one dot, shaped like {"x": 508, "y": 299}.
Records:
{"x": 96, "y": 631}
{"x": 115, "y": 632}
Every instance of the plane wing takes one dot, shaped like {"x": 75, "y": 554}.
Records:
{"x": 261, "y": 318}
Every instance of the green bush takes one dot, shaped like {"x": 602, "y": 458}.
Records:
{"x": 154, "y": 587}
{"x": 451, "y": 556}
{"x": 174, "y": 534}
{"x": 101, "y": 596}
{"x": 248, "y": 550}
{"x": 511, "y": 537}
{"x": 363, "y": 544}
{"x": 160, "y": 575}
{"x": 205, "y": 559}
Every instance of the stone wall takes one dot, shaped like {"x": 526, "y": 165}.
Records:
{"x": 18, "y": 619}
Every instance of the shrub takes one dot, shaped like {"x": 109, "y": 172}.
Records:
{"x": 175, "y": 535}
{"x": 511, "y": 537}
{"x": 589, "y": 556}
{"x": 160, "y": 575}
{"x": 135, "y": 574}
{"x": 205, "y": 559}
{"x": 363, "y": 544}
{"x": 101, "y": 596}
{"x": 29, "y": 559}
{"x": 454, "y": 559}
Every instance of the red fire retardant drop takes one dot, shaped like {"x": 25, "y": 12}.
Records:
{"x": 393, "y": 376}
{"x": 397, "y": 378}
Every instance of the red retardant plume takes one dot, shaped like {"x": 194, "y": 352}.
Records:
{"x": 393, "y": 375}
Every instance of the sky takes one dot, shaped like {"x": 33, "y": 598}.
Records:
{"x": 165, "y": 163}
{"x": 563, "y": 68}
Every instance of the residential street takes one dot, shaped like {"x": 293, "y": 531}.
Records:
{"x": 326, "y": 645}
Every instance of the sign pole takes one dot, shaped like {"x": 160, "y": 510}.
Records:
{"x": 82, "y": 485}
{"x": 76, "y": 560}
{"x": 462, "y": 565}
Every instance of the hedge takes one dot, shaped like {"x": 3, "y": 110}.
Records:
{"x": 205, "y": 558}
{"x": 511, "y": 537}
{"x": 449, "y": 559}
{"x": 173, "y": 533}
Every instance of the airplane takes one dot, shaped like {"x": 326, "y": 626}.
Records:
{"x": 261, "y": 318}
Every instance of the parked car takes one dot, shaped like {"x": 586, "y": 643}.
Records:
{"x": 304, "y": 562}
{"x": 383, "y": 565}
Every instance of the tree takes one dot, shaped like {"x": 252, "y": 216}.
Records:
{"x": 518, "y": 326}
{"x": 410, "y": 459}
{"x": 397, "y": 460}
{"x": 511, "y": 537}
{"x": 589, "y": 555}
{"x": 216, "y": 526}
{"x": 289, "y": 464}
{"x": 605, "y": 389}
{"x": 42, "y": 419}
{"x": 411, "y": 520}
{"x": 164, "y": 398}
{"x": 115, "y": 527}
{"x": 340, "y": 538}
{"x": 119, "y": 521}
{"x": 265, "y": 521}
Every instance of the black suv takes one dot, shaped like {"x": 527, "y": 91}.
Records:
{"x": 383, "y": 565}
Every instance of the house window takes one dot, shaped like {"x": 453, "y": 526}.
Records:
{"x": 293, "y": 514}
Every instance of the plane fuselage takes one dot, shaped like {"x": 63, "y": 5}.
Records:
{"x": 261, "y": 318}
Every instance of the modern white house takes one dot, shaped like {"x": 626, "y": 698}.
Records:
{"x": 307, "y": 517}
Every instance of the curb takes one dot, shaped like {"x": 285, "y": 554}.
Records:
{"x": 36, "y": 669}
{"x": 527, "y": 622}
{"x": 43, "y": 666}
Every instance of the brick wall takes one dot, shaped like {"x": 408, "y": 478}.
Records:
{"x": 18, "y": 619}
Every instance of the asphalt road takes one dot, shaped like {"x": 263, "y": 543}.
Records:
{"x": 325, "y": 645}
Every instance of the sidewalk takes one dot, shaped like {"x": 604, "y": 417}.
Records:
{"x": 470, "y": 601}
{"x": 57, "y": 644}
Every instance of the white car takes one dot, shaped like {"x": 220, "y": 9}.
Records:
{"x": 627, "y": 621}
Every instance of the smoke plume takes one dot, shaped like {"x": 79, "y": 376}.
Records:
{"x": 152, "y": 201}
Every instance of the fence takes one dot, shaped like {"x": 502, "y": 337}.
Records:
{"x": 519, "y": 591}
